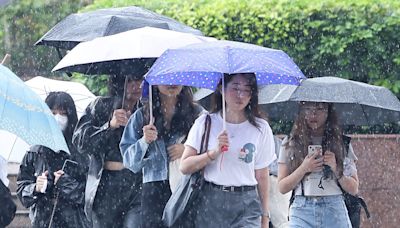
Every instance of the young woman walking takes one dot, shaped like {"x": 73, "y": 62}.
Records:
{"x": 317, "y": 162}
{"x": 236, "y": 163}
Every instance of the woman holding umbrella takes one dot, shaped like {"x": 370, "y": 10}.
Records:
{"x": 150, "y": 143}
{"x": 112, "y": 192}
{"x": 55, "y": 196}
{"x": 237, "y": 163}
{"x": 317, "y": 162}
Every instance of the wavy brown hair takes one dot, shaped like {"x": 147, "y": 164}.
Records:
{"x": 300, "y": 138}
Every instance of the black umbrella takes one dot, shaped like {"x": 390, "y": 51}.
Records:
{"x": 81, "y": 27}
{"x": 356, "y": 103}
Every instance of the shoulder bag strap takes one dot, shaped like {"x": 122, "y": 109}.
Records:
{"x": 206, "y": 135}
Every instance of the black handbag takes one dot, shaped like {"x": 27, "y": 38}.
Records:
{"x": 8, "y": 207}
{"x": 354, "y": 205}
{"x": 177, "y": 210}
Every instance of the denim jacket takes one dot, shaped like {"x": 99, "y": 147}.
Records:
{"x": 152, "y": 159}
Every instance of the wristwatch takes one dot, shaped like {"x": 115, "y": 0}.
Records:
{"x": 266, "y": 214}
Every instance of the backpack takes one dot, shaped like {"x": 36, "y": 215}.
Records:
{"x": 353, "y": 203}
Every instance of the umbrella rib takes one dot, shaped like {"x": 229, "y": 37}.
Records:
{"x": 9, "y": 155}
{"x": 283, "y": 91}
{"x": 365, "y": 114}
{"x": 362, "y": 107}
{"x": 28, "y": 116}
{"x": 108, "y": 27}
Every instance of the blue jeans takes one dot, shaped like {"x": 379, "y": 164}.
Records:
{"x": 319, "y": 212}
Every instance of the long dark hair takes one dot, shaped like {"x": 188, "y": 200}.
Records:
{"x": 300, "y": 139}
{"x": 116, "y": 84}
{"x": 186, "y": 113}
{"x": 252, "y": 109}
{"x": 116, "y": 88}
{"x": 63, "y": 101}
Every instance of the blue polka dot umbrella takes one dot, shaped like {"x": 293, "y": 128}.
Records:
{"x": 203, "y": 65}
{"x": 24, "y": 113}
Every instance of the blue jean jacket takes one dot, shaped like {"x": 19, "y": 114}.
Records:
{"x": 138, "y": 155}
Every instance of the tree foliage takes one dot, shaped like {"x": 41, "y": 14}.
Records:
{"x": 22, "y": 23}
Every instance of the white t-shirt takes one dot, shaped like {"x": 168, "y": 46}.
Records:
{"x": 313, "y": 180}
{"x": 250, "y": 148}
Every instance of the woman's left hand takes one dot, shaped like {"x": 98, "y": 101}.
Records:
{"x": 330, "y": 160}
{"x": 175, "y": 151}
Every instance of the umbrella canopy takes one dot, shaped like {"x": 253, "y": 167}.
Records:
{"x": 356, "y": 103}
{"x": 203, "y": 65}
{"x": 12, "y": 147}
{"x": 80, "y": 27}
{"x": 79, "y": 93}
{"x": 128, "y": 52}
{"x": 24, "y": 113}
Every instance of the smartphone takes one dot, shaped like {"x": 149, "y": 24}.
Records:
{"x": 314, "y": 149}
{"x": 70, "y": 167}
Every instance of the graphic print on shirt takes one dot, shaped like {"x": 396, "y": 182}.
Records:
{"x": 246, "y": 153}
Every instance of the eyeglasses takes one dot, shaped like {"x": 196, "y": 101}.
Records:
{"x": 318, "y": 110}
{"x": 234, "y": 89}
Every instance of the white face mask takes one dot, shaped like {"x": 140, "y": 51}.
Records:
{"x": 62, "y": 121}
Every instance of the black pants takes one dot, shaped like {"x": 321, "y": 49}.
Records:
{"x": 117, "y": 202}
{"x": 154, "y": 198}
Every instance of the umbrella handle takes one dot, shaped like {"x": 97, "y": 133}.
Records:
{"x": 123, "y": 97}
{"x": 223, "y": 148}
{"x": 53, "y": 211}
{"x": 151, "y": 104}
{"x": 223, "y": 104}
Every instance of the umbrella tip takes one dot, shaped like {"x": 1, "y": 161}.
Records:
{"x": 6, "y": 60}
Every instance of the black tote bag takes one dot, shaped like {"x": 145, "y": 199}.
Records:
{"x": 177, "y": 210}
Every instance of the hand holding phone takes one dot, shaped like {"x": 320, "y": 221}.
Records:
{"x": 313, "y": 162}
{"x": 315, "y": 149}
